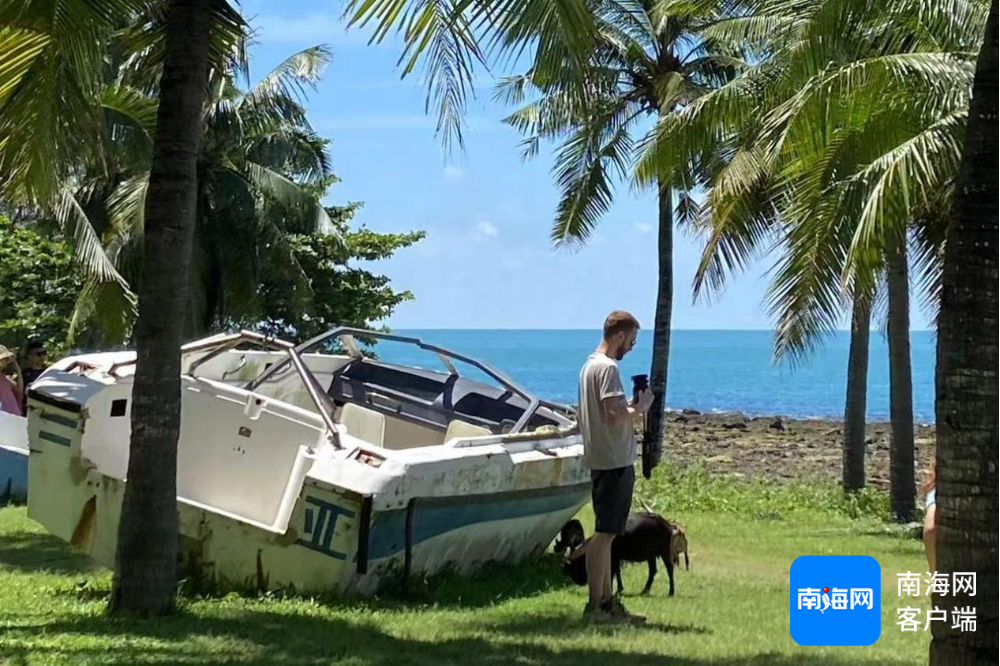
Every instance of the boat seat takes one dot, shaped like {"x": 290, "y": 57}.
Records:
{"x": 463, "y": 429}
{"x": 363, "y": 423}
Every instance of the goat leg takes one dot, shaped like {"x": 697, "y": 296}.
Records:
{"x": 652, "y": 575}
{"x": 669, "y": 563}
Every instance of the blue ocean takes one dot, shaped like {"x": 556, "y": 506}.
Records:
{"x": 709, "y": 370}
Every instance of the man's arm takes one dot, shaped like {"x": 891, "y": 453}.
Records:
{"x": 618, "y": 409}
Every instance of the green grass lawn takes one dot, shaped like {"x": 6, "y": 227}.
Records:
{"x": 730, "y": 608}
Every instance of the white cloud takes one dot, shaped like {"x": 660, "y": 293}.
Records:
{"x": 486, "y": 230}
{"x": 452, "y": 172}
{"x": 643, "y": 227}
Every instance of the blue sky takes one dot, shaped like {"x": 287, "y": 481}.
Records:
{"x": 487, "y": 261}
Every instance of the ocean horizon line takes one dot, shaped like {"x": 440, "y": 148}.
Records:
{"x": 710, "y": 369}
{"x": 577, "y": 330}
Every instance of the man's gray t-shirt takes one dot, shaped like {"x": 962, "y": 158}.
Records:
{"x": 606, "y": 445}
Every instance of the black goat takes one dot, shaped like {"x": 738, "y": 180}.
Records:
{"x": 570, "y": 538}
{"x": 647, "y": 537}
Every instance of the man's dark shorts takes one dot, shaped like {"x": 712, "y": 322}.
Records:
{"x": 611, "y": 491}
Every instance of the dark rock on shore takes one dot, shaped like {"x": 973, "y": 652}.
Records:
{"x": 780, "y": 448}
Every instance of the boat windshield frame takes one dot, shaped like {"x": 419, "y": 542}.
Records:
{"x": 347, "y": 335}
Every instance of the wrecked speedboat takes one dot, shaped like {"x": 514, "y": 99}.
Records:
{"x": 315, "y": 467}
{"x": 13, "y": 458}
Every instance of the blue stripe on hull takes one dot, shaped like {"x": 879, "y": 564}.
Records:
{"x": 13, "y": 475}
{"x": 435, "y": 516}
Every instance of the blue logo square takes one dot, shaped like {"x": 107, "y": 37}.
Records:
{"x": 836, "y": 600}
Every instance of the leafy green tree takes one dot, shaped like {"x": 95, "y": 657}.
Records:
{"x": 336, "y": 291}
{"x": 40, "y": 282}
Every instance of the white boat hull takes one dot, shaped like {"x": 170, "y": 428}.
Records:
{"x": 266, "y": 501}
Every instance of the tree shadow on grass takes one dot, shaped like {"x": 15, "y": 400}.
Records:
{"x": 41, "y": 552}
{"x": 561, "y": 625}
{"x": 494, "y": 584}
{"x": 256, "y": 638}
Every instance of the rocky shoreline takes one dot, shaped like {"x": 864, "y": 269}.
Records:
{"x": 781, "y": 449}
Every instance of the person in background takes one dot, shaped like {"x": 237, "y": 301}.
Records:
{"x": 930, "y": 531}
{"x": 11, "y": 384}
{"x": 607, "y": 428}
{"x": 35, "y": 361}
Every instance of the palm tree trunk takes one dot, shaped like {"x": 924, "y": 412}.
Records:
{"x": 901, "y": 476}
{"x": 146, "y": 559}
{"x": 966, "y": 408}
{"x": 653, "y": 435}
{"x": 856, "y": 405}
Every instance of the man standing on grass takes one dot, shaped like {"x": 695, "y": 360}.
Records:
{"x": 606, "y": 424}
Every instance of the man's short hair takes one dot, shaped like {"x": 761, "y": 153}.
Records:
{"x": 33, "y": 345}
{"x": 619, "y": 321}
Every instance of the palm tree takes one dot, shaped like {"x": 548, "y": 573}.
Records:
{"x": 262, "y": 173}
{"x": 649, "y": 62}
{"x": 966, "y": 407}
{"x": 146, "y": 559}
{"x": 901, "y": 475}
{"x": 54, "y": 54}
{"x": 855, "y": 404}
{"x": 844, "y": 144}
{"x": 49, "y": 102}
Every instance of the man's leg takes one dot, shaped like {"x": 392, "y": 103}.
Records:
{"x": 609, "y": 576}
{"x": 599, "y": 568}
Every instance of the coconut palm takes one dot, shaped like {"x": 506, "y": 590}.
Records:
{"x": 650, "y": 61}
{"x": 50, "y": 116}
{"x": 262, "y": 173}
{"x": 966, "y": 408}
{"x": 53, "y": 54}
{"x": 844, "y": 144}
{"x": 856, "y": 402}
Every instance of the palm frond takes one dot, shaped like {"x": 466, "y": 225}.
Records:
{"x": 46, "y": 115}
{"x": 927, "y": 250}
{"x": 19, "y": 49}
{"x": 438, "y": 33}
{"x": 89, "y": 251}
{"x": 131, "y": 106}
{"x": 807, "y": 297}
{"x": 126, "y": 214}
{"x": 586, "y": 166}
{"x": 281, "y": 92}
{"x": 285, "y": 192}
{"x": 295, "y": 151}
{"x": 106, "y": 305}
{"x": 896, "y": 185}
